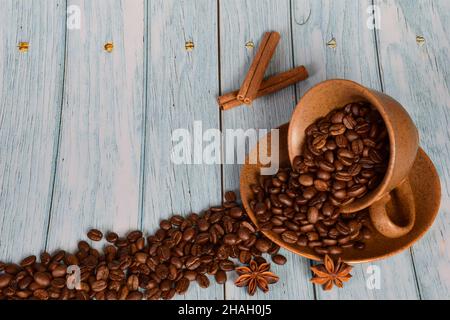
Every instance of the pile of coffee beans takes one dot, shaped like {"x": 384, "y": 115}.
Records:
{"x": 135, "y": 267}
{"x": 345, "y": 156}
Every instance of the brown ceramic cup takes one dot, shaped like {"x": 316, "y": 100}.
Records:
{"x": 404, "y": 144}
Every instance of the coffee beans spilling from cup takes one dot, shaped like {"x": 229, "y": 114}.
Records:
{"x": 182, "y": 250}
{"x": 345, "y": 156}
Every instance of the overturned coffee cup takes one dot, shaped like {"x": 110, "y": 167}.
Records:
{"x": 403, "y": 138}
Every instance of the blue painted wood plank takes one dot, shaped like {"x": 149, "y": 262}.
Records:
{"x": 417, "y": 74}
{"x": 97, "y": 181}
{"x": 181, "y": 89}
{"x": 30, "y": 104}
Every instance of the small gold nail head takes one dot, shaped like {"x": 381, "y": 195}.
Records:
{"x": 332, "y": 43}
{"x": 250, "y": 45}
{"x": 109, "y": 46}
{"x": 189, "y": 45}
{"x": 420, "y": 40}
{"x": 23, "y": 46}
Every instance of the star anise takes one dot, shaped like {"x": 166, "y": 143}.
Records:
{"x": 330, "y": 273}
{"x": 255, "y": 276}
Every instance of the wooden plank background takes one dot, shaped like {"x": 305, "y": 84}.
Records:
{"x": 31, "y": 89}
{"x": 85, "y": 135}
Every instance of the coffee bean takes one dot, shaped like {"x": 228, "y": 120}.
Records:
{"x": 43, "y": 279}
{"x": 354, "y": 169}
{"x": 121, "y": 243}
{"x": 28, "y": 261}
{"x": 337, "y": 117}
{"x": 189, "y": 234}
{"x": 182, "y": 285}
{"x": 167, "y": 295}
{"x": 111, "y": 237}
{"x": 25, "y": 282}
{"x": 190, "y": 275}
{"x": 313, "y": 244}
{"x": 230, "y": 239}
{"x": 263, "y": 245}
{"x": 260, "y": 208}
{"x": 244, "y": 233}
{"x": 176, "y": 220}
{"x": 226, "y": 265}
{"x": 307, "y": 228}
{"x": 320, "y": 185}
{"x": 5, "y": 280}
{"x": 165, "y": 285}
{"x": 356, "y": 190}
{"x": 313, "y": 215}
{"x": 202, "y": 281}
{"x": 230, "y": 196}
{"x": 25, "y": 294}
{"x": 337, "y": 129}
{"x": 279, "y": 259}
{"x": 320, "y": 141}
{"x": 329, "y": 242}
{"x": 192, "y": 263}
{"x": 135, "y": 295}
{"x": 306, "y": 180}
{"x": 95, "y": 235}
{"x": 321, "y": 251}
{"x": 312, "y": 236}
{"x": 221, "y": 277}
{"x": 349, "y": 122}
{"x": 153, "y": 294}
{"x": 286, "y": 200}
{"x": 292, "y": 225}
{"x": 236, "y": 212}
{"x": 341, "y": 141}
{"x": 133, "y": 236}
{"x": 245, "y": 256}
{"x": 326, "y": 166}
{"x": 59, "y": 271}
{"x": 162, "y": 271}
{"x": 343, "y": 176}
{"x": 41, "y": 294}
{"x": 289, "y": 237}
{"x": 99, "y": 285}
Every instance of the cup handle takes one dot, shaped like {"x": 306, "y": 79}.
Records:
{"x": 380, "y": 218}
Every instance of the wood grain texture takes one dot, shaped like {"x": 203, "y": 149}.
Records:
{"x": 182, "y": 87}
{"x": 240, "y": 22}
{"x": 98, "y": 170}
{"x": 30, "y": 103}
{"x": 93, "y": 128}
{"x": 315, "y": 23}
{"x": 419, "y": 78}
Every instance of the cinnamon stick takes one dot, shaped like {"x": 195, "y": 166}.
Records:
{"x": 268, "y": 86}
{"x": 255, "y": 74}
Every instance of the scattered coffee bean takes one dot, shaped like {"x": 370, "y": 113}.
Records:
{"x": 111, "y": 237}
{"x": 182, "y": 285}
{"x": 230, "y": 196}
{"x": 156, "y": 267}
{"x": 221, "y": 277}
{"x": 202, "y": 281}
{"x": 95, "y": 235}
{"x": 279, "y": 259}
